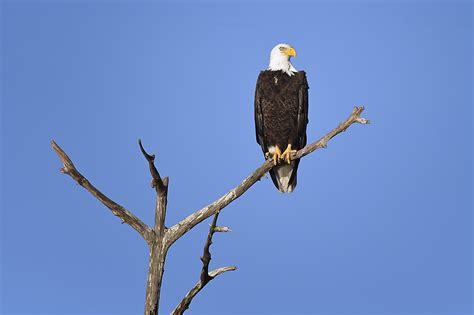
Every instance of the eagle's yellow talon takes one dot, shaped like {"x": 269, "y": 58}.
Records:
{"x": 276, "y": 155}
{"x": 276, "y": 158}
{"x": 286, "y": 155}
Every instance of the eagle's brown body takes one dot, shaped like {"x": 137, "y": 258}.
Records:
{"x": 281, "y": 116}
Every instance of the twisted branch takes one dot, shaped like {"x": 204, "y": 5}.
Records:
{"x": 161, "y": 188}
{"x": 206, "y": 276}
{"x": 156, "y": 181}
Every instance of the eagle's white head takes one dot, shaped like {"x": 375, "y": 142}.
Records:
{"x": 280, "y": 59}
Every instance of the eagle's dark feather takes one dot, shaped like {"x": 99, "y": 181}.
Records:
{"x": 281, "y": 115}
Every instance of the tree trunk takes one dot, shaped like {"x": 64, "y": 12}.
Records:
{"x": 156, "y": 267}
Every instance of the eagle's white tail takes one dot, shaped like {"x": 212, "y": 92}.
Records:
{"x": 284, "y": 176}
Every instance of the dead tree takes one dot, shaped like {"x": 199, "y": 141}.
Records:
{"x": 159, "y": 238}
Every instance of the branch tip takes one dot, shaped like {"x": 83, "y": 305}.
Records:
{"x": 216, "y": 272}
{"x": 222, "y": 229}
{"x": 363, "y": 121}
{"x": 149, "y": 157}
{"x": 67, "y": 162}
{"x": 156, "y": 182}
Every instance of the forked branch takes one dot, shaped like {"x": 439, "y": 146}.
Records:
{"x": 206, "y": 276}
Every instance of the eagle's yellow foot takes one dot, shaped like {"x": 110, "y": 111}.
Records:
{"x": 286, "y": 155}
{"x": 276, "y": 155}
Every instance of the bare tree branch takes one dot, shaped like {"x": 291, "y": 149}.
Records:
{"x": 179, "y": 229}
{"x": 184, "y": 304}
{"x": 224, "y": 229}
{"x": 206, "y": 255}
{"x": 125, "y": 215}
{"x": 158, "y": 249}
{"x": 156, "y": 181}
{"x": 322, "y": 143}
{"x": 206, "y": 276}
{"x": 160, "y": 208}
{"x": 161, "y": 188}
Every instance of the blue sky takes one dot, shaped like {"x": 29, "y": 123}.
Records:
{"x": 380, "y": 223}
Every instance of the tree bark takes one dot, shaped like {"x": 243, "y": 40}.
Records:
{"x": 156, "y": 268}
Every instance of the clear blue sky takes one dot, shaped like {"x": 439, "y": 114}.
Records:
{"x": 380, "y": 223}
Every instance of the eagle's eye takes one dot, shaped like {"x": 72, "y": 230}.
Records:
{"x": 282, "y": 48}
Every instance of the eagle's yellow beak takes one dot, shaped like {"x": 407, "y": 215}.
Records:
{"x": 291, "y": 52}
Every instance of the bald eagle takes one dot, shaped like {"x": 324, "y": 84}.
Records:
{"x": 281, "y": 115}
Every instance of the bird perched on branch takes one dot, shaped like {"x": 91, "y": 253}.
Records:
{"x": 281, "y": 115}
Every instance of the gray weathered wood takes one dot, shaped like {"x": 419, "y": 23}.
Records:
{"x": 160, "y": 238}
{"x": 126, "y": 216}
{"x": 158, "y": 248}
{"x": 206, "y": 276}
